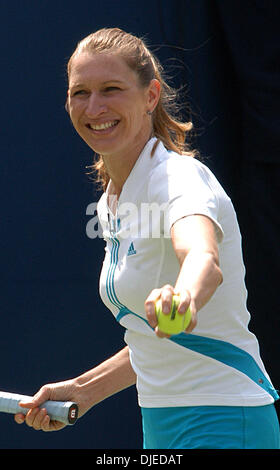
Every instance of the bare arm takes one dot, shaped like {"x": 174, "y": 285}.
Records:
{"x": 195, "y": 244}
{"x": 106, "y": 379}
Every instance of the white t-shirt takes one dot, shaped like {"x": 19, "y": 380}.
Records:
{"x": 219, "y": 362}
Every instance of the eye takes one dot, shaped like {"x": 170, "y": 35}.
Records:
{"x": 111, "y": 88}
{"x": 79, "y": 92}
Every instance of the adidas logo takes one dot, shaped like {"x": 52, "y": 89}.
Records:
{"x": 131, "y": 250}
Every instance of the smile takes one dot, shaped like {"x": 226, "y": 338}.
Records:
{"x": 103, "y": 126}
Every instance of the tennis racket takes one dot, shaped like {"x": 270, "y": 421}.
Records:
{"x": 64, "y": 411}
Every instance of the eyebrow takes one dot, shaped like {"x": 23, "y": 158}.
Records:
{"x": 78, "y": 85}
{"x": 110, "y": 81}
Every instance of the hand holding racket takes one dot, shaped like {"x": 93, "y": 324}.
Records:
{"x": 64, "y": 412}
{"x": 51, "y": 408}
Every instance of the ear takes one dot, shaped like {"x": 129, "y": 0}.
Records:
{"x": 154, "y": 91}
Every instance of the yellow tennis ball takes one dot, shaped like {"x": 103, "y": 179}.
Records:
{"x": 174, "y": 322}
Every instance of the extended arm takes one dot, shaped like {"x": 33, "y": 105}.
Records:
{"x": 195, "y": 244}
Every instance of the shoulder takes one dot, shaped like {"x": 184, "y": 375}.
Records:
{"x": 166, "y": 162}
{"x": 171, "y": 170}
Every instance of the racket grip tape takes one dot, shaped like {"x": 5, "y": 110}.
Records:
{"x": 65, "y": 412}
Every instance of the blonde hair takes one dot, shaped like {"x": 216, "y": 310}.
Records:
{"x": 167, "y": 126}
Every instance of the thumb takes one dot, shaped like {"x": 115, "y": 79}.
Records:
{"x": 37, "y": 400}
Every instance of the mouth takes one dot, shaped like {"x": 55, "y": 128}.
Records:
{"x": 103, "y": 127}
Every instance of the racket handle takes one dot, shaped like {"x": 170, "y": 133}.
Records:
{"x": 64, "y": 411}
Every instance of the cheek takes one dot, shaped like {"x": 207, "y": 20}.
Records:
{"x": 71, "y": 111}
{"x": 136, "y": 115}
{"x": 74, "y": 114}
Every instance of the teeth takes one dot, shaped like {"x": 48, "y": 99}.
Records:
{"x": 100, "y": 127}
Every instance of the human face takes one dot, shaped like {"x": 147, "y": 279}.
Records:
{"x": 107, "y": 106}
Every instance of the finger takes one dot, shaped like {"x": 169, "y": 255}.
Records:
{"x": 185, "y": 299}
{"x": 42, "y": 421}
{"x": 19, "y": 418}
{"x": 39, "y": 419}
{"x": 29, "y": 404}
{"x": 38, "y": 399}
{"x": 34, "y": 417}
{"x": 161, "y": 334}
{"x": 166, "y": 298}
{"x": 46, "y": 424}
{"x": 150, "y": 307}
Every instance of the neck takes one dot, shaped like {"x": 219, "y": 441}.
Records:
{"x": 118, "y": 171}
{"x": 119, "y": 167}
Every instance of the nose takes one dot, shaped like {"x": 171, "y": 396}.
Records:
{"x": 95, "y": 105}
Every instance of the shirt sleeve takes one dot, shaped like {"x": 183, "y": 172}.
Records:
{"x": 182, "y": 187}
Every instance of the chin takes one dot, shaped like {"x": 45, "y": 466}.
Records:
{"x": 109, "y": 147}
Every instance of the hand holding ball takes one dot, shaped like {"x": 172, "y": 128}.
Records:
{"x": 174, "y": 322}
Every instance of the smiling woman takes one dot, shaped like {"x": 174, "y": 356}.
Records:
{"x": 205, "y": 387}
{"x": 120, "y": 82}
{"x": 112, "y": 119}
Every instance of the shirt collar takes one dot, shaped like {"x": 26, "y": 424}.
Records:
{"x": 139, "y": 171}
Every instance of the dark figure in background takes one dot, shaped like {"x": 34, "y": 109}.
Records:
{"x": 251, "y": 31}
{"x": 230, "y": 51}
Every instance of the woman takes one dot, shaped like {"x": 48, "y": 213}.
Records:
{"x": 203, "y": 388}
